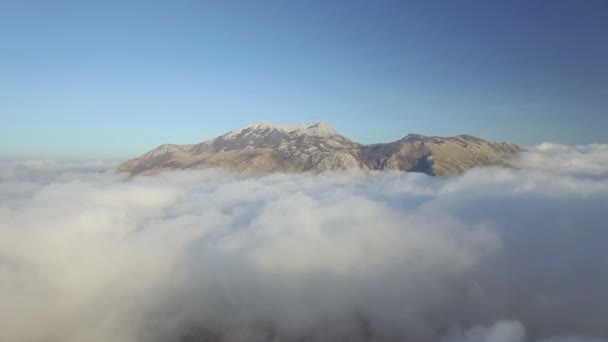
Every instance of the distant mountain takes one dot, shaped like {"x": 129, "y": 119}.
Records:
{"x": 267, "y": 147}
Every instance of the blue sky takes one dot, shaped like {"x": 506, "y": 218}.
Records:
{"x": 113, "y": 79}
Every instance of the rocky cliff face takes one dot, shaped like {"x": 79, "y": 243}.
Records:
{"x": 267, "y": 147}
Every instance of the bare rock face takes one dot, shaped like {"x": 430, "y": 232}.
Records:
{"x": 267, "y": 147}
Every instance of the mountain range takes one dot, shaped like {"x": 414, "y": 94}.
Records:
{"x": 266, "y": 147}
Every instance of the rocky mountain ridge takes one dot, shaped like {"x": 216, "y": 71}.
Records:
{"x": 267, "y": 147}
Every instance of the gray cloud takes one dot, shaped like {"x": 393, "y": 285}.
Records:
{"x": 502, "y": 331}
{"x": 491, "y": 255}
{"x": 505, "y": 331}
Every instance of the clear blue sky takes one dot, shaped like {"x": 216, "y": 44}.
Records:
{"x": 117, "y": 78}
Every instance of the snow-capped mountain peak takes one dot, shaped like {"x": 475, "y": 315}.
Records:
{"x": 269, "y": 147}
{"x": 317, "y": 128}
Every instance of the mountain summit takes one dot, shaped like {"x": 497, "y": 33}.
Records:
{"x": 318, "y": 128}
{"x": 269, "y": 147}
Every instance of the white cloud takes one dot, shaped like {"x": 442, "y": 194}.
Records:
{"x": 581, "y": 159}
{"x": 89, "y": 256}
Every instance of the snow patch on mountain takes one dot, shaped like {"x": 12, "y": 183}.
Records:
{"x": 317, "y": 128}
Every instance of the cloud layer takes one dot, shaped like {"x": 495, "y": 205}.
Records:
{"x": 491, "y": 255}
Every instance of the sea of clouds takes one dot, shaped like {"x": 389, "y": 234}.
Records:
{"x": 493, "y": 255}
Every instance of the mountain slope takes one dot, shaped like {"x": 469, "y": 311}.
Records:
{"x": 437, "y": 155}
{"x": 267, "y": 147}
